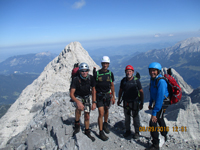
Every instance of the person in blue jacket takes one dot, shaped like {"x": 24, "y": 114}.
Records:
{"x": 158, "y": 93}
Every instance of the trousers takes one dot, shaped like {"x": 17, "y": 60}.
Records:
{"x": 129, "y": 113}
{"x": 161, "y": 122}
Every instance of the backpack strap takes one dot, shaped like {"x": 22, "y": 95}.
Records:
{"x": 79, "y": 80}
{"x": 97, "y": 75}
{"x": 110, "y": 76}
{"x": 135, "y": 78}
{"x": 168, "y": 88}
{"x": 157, "y": 80}
{"x": 104, "y": 74}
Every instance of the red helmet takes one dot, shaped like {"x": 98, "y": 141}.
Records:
{"x": 129, "y": 67}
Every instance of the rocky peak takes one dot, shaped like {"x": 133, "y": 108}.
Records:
{"x": 187, "y": 42}
{"x": 56, "y": 77}
{"x": 187, "y": 89}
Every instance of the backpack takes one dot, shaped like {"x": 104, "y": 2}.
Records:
{"x": 75, "y": 71}
{"x": 175, "y": 92}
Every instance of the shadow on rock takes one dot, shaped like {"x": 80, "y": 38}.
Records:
{"x": 148, "y": 111}
{"x": 93, "y": 125}
{"x": 118, "y": 128}
{"x": 69, "y": 121}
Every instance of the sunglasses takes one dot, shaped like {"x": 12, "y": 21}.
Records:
{"x": 84, "y": 70}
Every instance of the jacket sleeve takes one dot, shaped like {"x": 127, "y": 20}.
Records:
{"x": 162, "y": 86}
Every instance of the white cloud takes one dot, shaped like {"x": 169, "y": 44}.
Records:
{"x": 170, "y": 35}
{"x": 157, "y": 35}
{"x": 79, "y": 4}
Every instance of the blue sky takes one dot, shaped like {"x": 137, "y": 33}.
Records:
{"x": 36, "y": 25}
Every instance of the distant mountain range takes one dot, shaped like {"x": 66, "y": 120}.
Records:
{"x": 128, "y": 49}
{"x": 30, "y": 63}
{"x": 184, "y": 57}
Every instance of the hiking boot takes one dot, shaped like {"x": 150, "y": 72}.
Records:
{"x": 103, "y": 136}
{"x": 76, "y": 128}
{"x": 127, "y": 133}
{"x": 153, "y": 147}
{"x": 87, "y": 132}
{"x": 136, "y": 135}
{"x": 105, "y": 127}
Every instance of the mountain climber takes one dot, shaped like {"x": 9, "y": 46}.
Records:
{"x": 105, "y": 94}
{"x": 133, "y": 99}
{"x": 157, "y": 95}
{"x": 80, "y": 92}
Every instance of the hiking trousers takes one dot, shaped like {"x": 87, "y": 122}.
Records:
{"x": 136, "y": 119}
{"x": 161, "y": 122}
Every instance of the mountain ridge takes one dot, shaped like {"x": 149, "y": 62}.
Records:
{"x": 31, "y": 63}
{"x": 54, "y": 78}
{"x": 185, "y": 60}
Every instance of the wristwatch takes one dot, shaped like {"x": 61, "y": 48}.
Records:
{"x": 94, "y": 102}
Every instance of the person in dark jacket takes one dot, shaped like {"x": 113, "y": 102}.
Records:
{"x": 158, "y": 93}
{"x": 105, "y": 95}
{"x": 80, "y": 92}
{"x": 132, "y": 100}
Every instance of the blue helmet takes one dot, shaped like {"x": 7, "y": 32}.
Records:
{"x": 155, "y": 65}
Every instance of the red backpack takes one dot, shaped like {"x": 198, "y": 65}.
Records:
{"x": 75, "y": 72}
{"x": 175, "y": 92}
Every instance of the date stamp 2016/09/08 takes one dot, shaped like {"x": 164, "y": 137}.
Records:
{"x": 162, "y": 129}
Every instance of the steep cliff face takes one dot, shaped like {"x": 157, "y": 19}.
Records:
{"x": 55, "y": 78}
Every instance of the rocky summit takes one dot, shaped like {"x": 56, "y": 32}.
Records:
{"x": 43, "y": 116}
{"x": 55, "y": 78}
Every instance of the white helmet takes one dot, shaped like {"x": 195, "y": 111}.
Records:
{"x": 105, "y": 59}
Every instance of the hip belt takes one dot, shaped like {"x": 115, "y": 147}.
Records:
{"x": 84, "y": 99}
{"x": 86, "y": 102}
